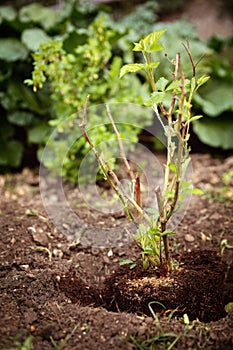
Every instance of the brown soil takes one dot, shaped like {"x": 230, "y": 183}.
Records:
{"x": 67, "y": 296}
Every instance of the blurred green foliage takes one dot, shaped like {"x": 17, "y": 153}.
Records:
{"x": 92, "y": 69}
{"x": 70, "y": 31}
{"x": 215, "y": 99}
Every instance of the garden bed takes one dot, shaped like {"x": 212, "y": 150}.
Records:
{"x": 60, "y": 295}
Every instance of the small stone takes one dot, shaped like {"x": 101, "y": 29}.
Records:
{"x": 142, "y": 330}
{"x": 106, "y": 260}
{"x": 110, "y": 253}
{"x": 32, "y": 229}
{"x": 24, "y": 267}
{"x": 216, "y": 216}
{"x": 189, "y": 238}
{"x": 40, "y": 237}
{"x": 57, "y": 253}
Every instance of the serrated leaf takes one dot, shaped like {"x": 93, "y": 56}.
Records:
{"x": 32, "y": 38}
{"x": 151, "y": 41}
{"x": 131, "y": 68}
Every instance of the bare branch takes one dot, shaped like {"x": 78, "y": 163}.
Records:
{"x": 121, "y": 146}
{"x": 187, "y": 48}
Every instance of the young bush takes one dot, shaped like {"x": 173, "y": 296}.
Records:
{"x": 152, "y": 231}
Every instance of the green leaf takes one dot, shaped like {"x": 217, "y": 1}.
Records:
{"x": 6, "y": 131}
{"x": 172, "y": 167}
{"x": 229, "y": 307}
{"x": 125, "y": 262}
{"x": 152, "y": 65}
{"x": 174, "y": 85}
{"x": 196, "y": 117}
{"x": 158, "y": 97}
{"x": 38, "y": 133}
{"x": 150, "y": 42}
{"x": 32, "y": 38}
{"x": 131, "y": 68}
{"x": 12, "y": 50}
{"x": 168, "y": 232}
{"x": 161, "y": 84}
{"x": 148, "y": 250}
{"x": 7, "y": 13}
{"x": 202, "y": 80}
{"x": 138, "y": 46}
{"x": 20, "y": 118}
{"x": 193, "y": 84}
{"x": 215, "y": 98}
{"x": 37, "y": 13}
{"x": 215, "y": 132}
{"x": 5, "y": 73}
{"x": 11, "y": 153}
{"x": 196, "y": 191}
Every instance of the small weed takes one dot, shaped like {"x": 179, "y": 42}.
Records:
{"x": 63, "y": 343}
{"x": 22, "y": 344}
{"x": 43, "y": 249}
{"x": 223, "y": 192}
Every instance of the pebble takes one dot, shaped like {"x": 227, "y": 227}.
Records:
{"x": 189, "y": 238}
{"x": 106, "y": 260}
{"x": 40, "y": 237}
{"x": 216, "y": 216}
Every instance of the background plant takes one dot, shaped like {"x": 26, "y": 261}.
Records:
{"x": 214, "y": 100}
{"x": 25, "y": 115}
{"x": 153, "y": 231}
{"x": 89, "y": 67}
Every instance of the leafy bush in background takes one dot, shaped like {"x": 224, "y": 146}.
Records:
{"x": 92, "y": 69}
{"x": 74, "y": 28}
{"x": 215, "y": 99}
{"x": 25, "y": 115}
